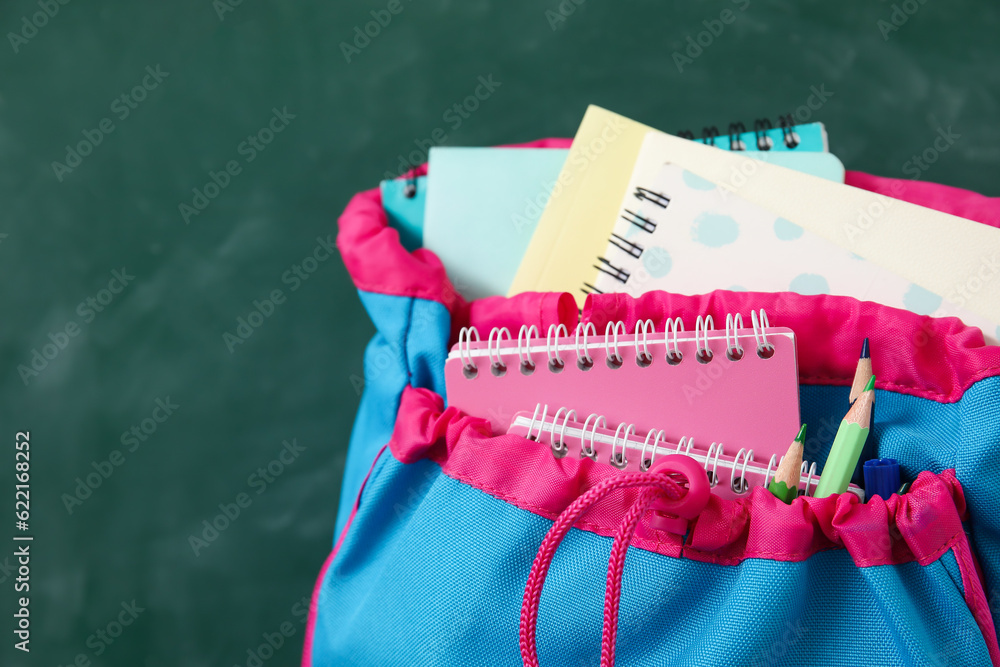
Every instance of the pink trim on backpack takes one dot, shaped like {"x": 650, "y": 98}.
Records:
{"x": 314, "y": 602}
{"x": 659, "y": 484}
{"x": 378, "y": 263}
{"x": 918, "y": 526}
{"x": 942, "y": 357}
{"x": 933, "y": 358}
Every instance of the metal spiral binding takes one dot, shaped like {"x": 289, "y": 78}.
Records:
{"x": 619, "y": 274}
{"x": 701, "y": 328}
{"x": 734, "y": 351}
{"x": 615, "y": 337}
{"x": 527, "y": 364}
{"x": 735, "y": 143}
{"x": 464, "y": 343}
{"x": 657, "y": 198}
{"x": 590, "y": 452}
{"x": 644, "y": 463}
{"x": 584, "y": 362}
{"x": 764, "y": 349}
{"x": 497, "y": 367}
{"x": 643, "y": 327}
{"x": 791, "y": 138}
{"x": 559, "y": 446}
{"x": 614, "y": 360}
{"x": 709, "y": 136}
{"x": 739, "y": 467}
{"x": 556, "y": 363}
{"x": 760, "y": 127}
{"x": 642, "y": 222}
{"x": 620, "y": 460}
{"x": 410, "y": 189}
{"x": 623, "y": 244}
{"x": 714, "y": 452}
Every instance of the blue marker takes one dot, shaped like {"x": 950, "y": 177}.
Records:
{"x": 881, "y": 478}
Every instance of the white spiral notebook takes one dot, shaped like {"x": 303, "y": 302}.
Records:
{"x": 682, "y": 233}
{"x": 731, "y": 474}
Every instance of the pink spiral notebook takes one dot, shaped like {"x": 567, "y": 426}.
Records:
{"x": 737, "y": 386}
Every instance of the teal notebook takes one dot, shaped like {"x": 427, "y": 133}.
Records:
{"x": 483, "y": 205}
{"x": 806, "y": 137}
{"x": 406, "y": 214}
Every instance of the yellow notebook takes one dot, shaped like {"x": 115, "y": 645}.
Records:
{"x": 947, "y": 255}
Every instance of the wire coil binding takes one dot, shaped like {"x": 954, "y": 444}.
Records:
{"x": 761, "y": 126}
{"x": 625, "y": 437}
{"x": 616, "y": 337}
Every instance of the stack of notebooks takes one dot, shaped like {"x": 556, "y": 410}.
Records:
{"x": 631, "y": 209}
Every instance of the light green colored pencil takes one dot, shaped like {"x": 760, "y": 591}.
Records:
{"x": 847, "y": 446}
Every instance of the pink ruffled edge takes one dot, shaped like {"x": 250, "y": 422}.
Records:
{"x": 940, "y": 360}
{"x": 933, "y": 358}
{"x": 379, "y": 263}
{"x": 919, "y": 526}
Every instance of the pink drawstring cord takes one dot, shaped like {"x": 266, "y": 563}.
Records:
{"x": 657, "y": 485}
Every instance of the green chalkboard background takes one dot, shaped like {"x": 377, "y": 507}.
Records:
{"x": 65, "y": 232}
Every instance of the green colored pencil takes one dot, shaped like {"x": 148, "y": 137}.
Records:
{"x": 785, "y": 485}
{"x": 847, "y": 446}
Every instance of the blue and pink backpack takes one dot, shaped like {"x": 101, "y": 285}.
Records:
{"x": 455, "y": 546}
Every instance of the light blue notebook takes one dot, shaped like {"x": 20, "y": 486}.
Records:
{"x": 483, "y": 205}
{"x": 482, "y": 208}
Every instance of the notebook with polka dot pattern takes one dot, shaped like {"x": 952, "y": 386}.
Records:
{"x": 681, "y": 233}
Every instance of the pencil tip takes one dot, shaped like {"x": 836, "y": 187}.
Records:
{"x": 871, "y": 384}
{"x": 801, "y": 437}
{"x": 864, "y": 350}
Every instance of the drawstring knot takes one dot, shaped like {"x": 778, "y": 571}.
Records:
{"x": 673, "y": 507}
